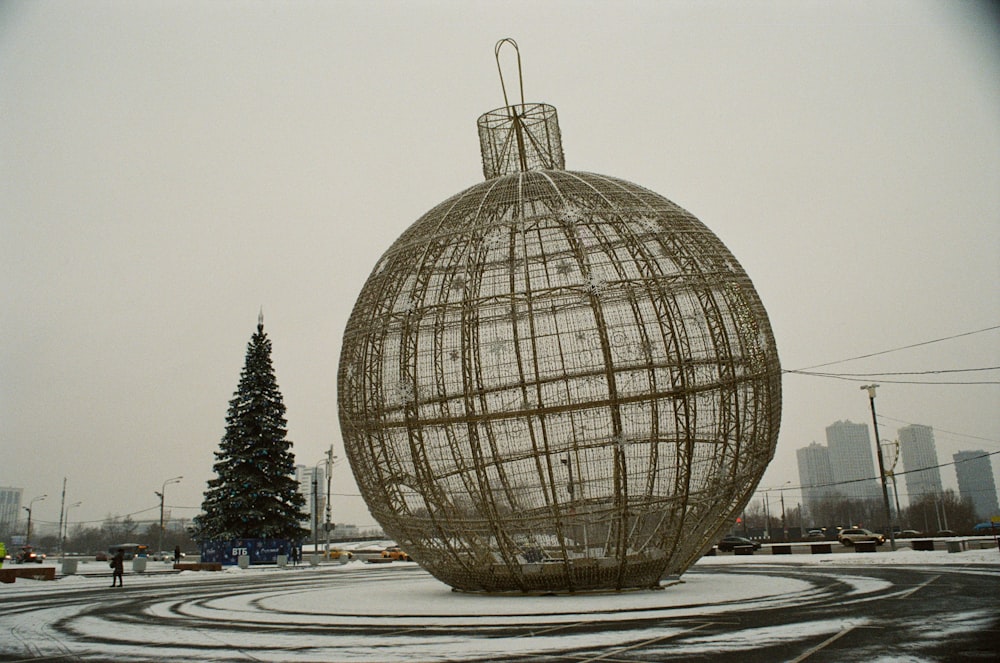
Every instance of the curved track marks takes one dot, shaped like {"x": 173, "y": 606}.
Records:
{"x": 786, "y": 613}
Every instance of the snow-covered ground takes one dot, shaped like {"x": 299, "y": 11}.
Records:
{"x": 366, "y": 613}
{"x": 92, "y": 573}
{"x": 903, "y": 555}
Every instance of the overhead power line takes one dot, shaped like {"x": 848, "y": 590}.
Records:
{"x": 864, "y": 479}
{"x": 865, "y": 377}
{"x": 940, "y": 465}
{"x": 904, "y": 347}
{"x": 875, "y": 375}
{"x": 939, "y": 430}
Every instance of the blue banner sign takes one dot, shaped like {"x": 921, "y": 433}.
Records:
{"x": 260, "y": 551}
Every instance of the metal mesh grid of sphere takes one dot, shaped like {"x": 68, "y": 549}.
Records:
{"x": 557, "y": 381}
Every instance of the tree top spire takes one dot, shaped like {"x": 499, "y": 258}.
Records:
{"x": 260, "y": 321}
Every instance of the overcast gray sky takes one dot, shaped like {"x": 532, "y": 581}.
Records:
{"x": 169, "y": 168}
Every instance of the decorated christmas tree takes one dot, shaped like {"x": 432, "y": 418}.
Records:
{"x": 254, "y": 494}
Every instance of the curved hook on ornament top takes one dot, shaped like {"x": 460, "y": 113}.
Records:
{"x": 520, "y": 76}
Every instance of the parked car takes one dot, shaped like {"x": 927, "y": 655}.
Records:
{"x": 815, "y": 535}
{"x": 165, "y": 555}
{"x": 909, "y": 534}
{"x": 730, "y": 543}
{"x": 100, "y": 556}
{"x": 859, "y": 535}
{"x": 337, "y": 553}
{"x": 27, "y": 554}
{"x": 946, "y": 532}
{"x": 130, "y": 550}
{"x": 369, "y": 554}
{"x": 396, "y": 554}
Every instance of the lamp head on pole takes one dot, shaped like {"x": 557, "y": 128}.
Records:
{"x": 871, "y": 389}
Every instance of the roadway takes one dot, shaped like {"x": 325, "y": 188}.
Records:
{"x": 368, "y": 613}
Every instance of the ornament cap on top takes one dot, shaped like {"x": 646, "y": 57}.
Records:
{"x": 519, "y": 137}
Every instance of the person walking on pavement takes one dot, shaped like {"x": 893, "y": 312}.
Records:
{"x": 118, "y": 564}
{"x": 177, "y": 554}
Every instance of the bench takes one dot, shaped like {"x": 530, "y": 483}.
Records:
{"x": 865, "y": 546}
{"x": 922, "y": 544}
{"x": 198, "y": 566}
{"x": 36, "y": 573}
{"x": 821, "y": 548}
{"x": 783, "y": 549}
{"x": 743, "y": 550}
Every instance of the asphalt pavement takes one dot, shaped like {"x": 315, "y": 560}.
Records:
{"x": 836, "y": 613}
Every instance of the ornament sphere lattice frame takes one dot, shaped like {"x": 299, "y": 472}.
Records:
{"x": 556, "y": 381}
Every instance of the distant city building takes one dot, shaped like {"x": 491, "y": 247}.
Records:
{"x": 920, "y": 460}
{"x": 815, "y": 476}
{"x": 305, "y": 474}
{"x": 345, "y": 531}
{"x": 851, "y": 460}
{"x": 975, "y": 482}
{"x": 10, "y": 506}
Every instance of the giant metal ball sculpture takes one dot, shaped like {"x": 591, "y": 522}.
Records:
{"x": 556, "y": 381}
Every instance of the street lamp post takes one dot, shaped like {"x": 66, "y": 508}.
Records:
{"x": 767, "y": 512}
{"x": 870, "y": 388}
{"x": 163, "y": 489}
{"x": 784, "y": 523}
{"x": 31, "y": 504}
{"x": 767, "y": 519}
{"x": 567, "y": 461}
{"x": 571, "y": 487}
{"x": 65, "y": 528}
{"x": 891, "y": 472}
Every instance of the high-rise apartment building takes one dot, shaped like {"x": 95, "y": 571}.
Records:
{"x": 923, "y": 476}
{"x": 305, "y": 475}
{"x": 10, "y": 506}
{"x": 975, "y": 482}
{"x": 851, "y": 461}
{"x": 815, "y": 476}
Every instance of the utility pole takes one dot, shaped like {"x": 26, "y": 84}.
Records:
{"x": 329, "y": 472}
{"x": 870, "y": 388}
{"x": 65, "y": 528}
{"x": 315, "y": 519}
{"x": 62, "y": 510}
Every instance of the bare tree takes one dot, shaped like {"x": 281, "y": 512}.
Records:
{"x": 937, "y": 511}
{"x": 119, "y": 531}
